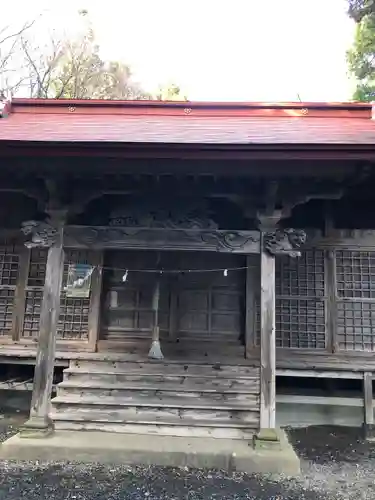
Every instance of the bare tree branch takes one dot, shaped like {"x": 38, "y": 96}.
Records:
{"x": 18, "y": 33}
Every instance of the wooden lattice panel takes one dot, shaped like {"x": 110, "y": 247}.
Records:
{"x": 37, "y": 268}
{"x": 74, "y": 312}
{"x": 300, "y": 324}
{"x": 9, "y": 267}
{"x": 210, "y": 305}
{"x": 73, "y": 320}
{"x": 9, "y": 263}
{"x": 34, "y": 293}
{"x": 300, "y": 301}
{"x": 127, "y": 308}
{"x": 355, "y": 274}
{"x": 356, "y": 326}
{"x": 301, "y": 276}
{"x": 355, "y": 289}
{"x": 33, "y": 304}
{"x": 6, "y": 310}
{"x": 209, "y": 313}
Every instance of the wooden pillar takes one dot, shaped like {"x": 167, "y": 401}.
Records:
{"x": 39, "y": 423}
{"x": 368, "y": 424}
{"x": 267, "y": 434}
{"x": 95, "y": 300}
{"x": 267, "y": 341}
{"x": 273, "y": 241}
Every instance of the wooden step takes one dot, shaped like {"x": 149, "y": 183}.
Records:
{"x": 140, "y": 419}
{"x": 180, "y": 429}
{"x": 154, "y": 386}
{"x": 163, "y": 367}
{"x": 216, "y": 382}
{"x": 177, "y": 377}
{"x": 147, "y": 391}
{"x": 123, "y": 414}
{"x": 201, "y": 403}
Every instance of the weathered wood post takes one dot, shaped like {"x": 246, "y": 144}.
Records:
{"x": 273, "y": 241}
{"x": 368, "y": 424}
{"x": 267, "y": 430}
{"x": 39, "y": 423}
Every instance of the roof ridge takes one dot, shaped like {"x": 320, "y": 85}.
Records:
{"x": 189, "y": 108}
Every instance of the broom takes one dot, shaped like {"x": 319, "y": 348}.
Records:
{"x": 155, "y": 349}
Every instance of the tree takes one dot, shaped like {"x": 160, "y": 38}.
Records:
{"x": 72, "y": 68}
{"x": 361, "y": 59}
{"x": 171, "y": 92}
{"x": 359, "y": 9}
{"x": 10, "y": 38}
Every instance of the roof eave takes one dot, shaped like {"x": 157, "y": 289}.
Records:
{"x": 199, "y": 151}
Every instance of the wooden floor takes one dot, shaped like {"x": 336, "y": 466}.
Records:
{"x": 173, "y": 353}
{"x": 309, "y": 364}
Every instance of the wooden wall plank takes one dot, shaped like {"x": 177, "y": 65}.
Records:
{"x": 252, "y": 286}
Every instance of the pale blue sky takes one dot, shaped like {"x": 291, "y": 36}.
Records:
{"x": 233, "y": 50}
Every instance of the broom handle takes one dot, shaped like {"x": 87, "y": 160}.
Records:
{"x": 155, "y": 308}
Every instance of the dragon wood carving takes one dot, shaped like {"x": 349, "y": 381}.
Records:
{"x": 162, "y": 216}
{"x": 40, "y": 234}
{"x": 284, "y": 241}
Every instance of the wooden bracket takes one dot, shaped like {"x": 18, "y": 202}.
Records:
{"x": 277, "y": 240}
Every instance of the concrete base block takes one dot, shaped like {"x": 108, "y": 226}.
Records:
{"x": 36, "y": 428}
{"x": 171, "y": 451}
{"x": 270, "y": 439}
{"x": 369, "y": 432}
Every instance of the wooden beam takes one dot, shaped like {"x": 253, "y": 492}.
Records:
{"x": 39, "y": 424}
{"x": 136, "y": 238}
{"x": 286, "y": 372}
{"x": 95, "y": 300}
{"x": 287, "y": 152}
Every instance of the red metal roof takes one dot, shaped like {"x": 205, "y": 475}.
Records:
{"x": 71, "y": 121}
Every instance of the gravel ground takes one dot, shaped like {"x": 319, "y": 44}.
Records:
{"x": 337, "y": 464}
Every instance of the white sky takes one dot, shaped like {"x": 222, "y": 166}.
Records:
{"x": 237, "y": 50}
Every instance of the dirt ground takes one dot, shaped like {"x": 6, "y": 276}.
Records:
{"x": 336, "y": 462}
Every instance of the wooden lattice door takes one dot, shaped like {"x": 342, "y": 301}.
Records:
{"x": 198, "y": 301}
{"x": 210, "y": 301}
{"x": 127, "y": 315}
